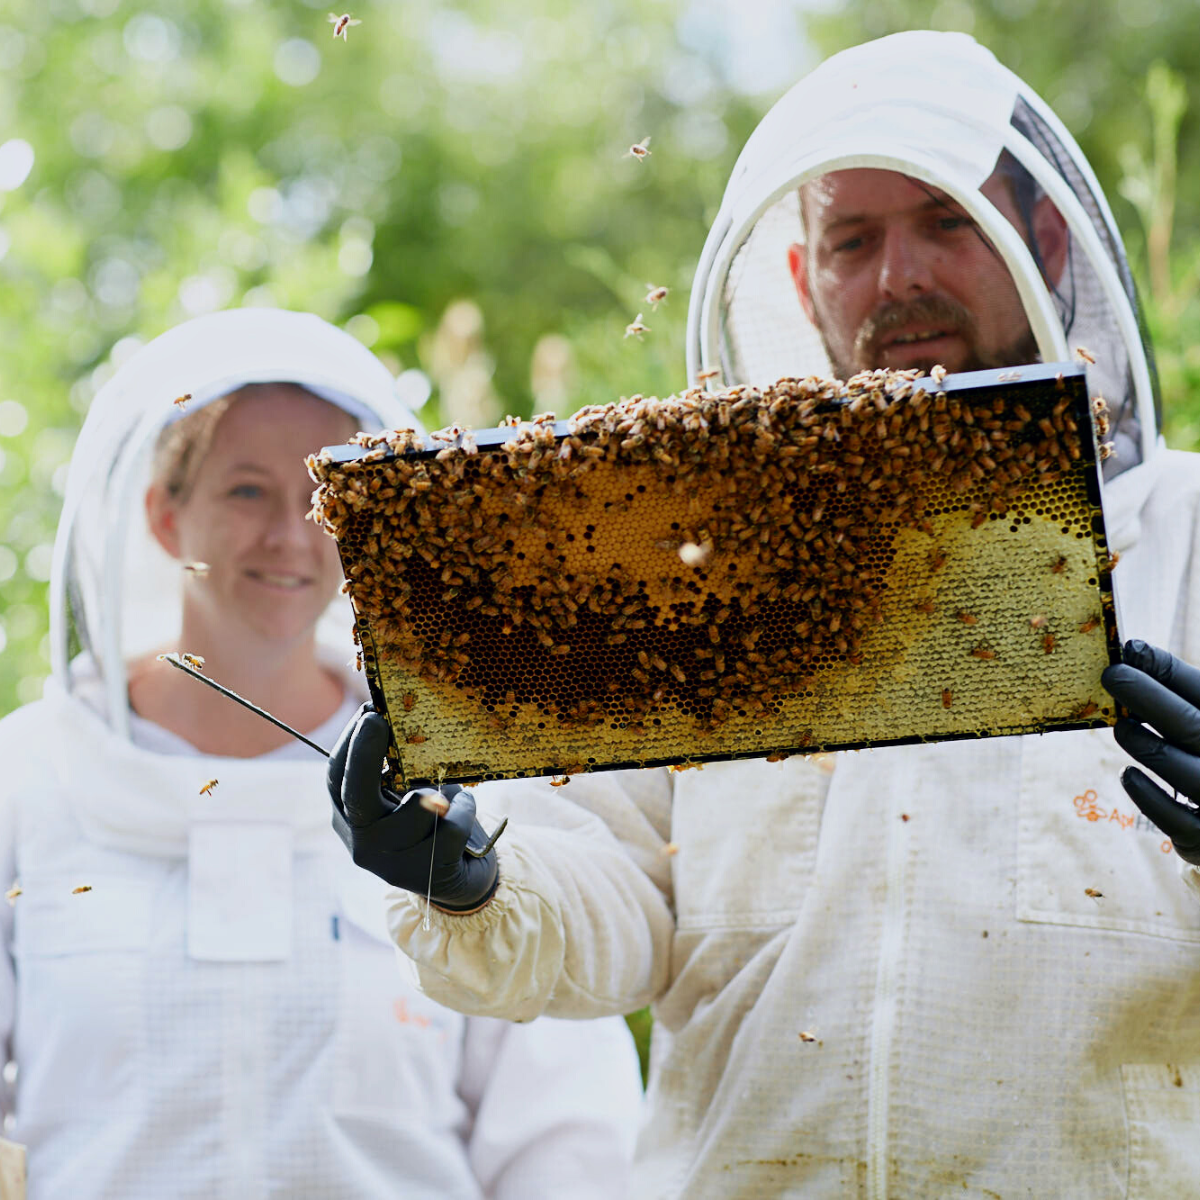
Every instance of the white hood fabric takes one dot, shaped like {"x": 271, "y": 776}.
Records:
{"x": 969, "y": 969}
{"x": 113, "y": 593}
{"x": 939, "y": 108}
{"x": 221, "y": 1015}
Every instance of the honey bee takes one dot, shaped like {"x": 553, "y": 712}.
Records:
{"x": 559, "y": 780}
{"x": 83, "y": 887}
{"x": 947, "y": 697}
{"x": 1089, "y": 624}
{"x": 656, "y": 295}
{"x": 435, "y": 803}
{"x": 707, "y": 373}
{"x": 1095, "y": 895}
{"x": 635, "y": 328}
{"x": 341, "y": 24}
{"x": 966, "y": 618}
{"x": 669, "y": 850}
{"x": 1037, "y": 621}
{"x": 937, "y": 373}
{"x": 984, "y": 653}
{"x": 193, "y": 660}
{"x": 12, "y": 893}
{"x": 415, "y": 739}
{"x": 180, "y": 402}
{"x": 924, "y": 606}
{"x": 1048, "y": 643}
{"x": 1085, "y": 355}
{"x": 408, "y": 700}
{"x": 1088, "y": 709}
{"x": 196, "y": 568}
{"x": 694, "y": 555}
{"x": 805, "y": 1036}
{"x": 206, "y": 790}
{"x": 1059, "y": 564}
{"x": 640, "y": 150}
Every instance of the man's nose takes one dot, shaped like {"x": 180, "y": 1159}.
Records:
{"x": 904, "y": 270}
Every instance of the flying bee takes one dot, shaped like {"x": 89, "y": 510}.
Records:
{"x": 83, "y": 887}
{"x": 669, "y": 850}
{"x": 180, "y": 402}
{"x": 635, "y": 328}
{"x": 435, "y": 803}
{"x": 1085, "y": 355}
{"x": 656, "y": 295}
{"x": 12, "y": 893}
{"x": 693, "y": 555}
{"x": 341, "y": 24}
{"x": 1095, "y": 895}
{"x": 708, "y": 373}
{"x": 640, "y": 150}
{"x": 805, "y": 1036}
{"x": 206, "y": 790}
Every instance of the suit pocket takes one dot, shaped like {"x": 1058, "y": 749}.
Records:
{"x": 1086, "y": 855}
{"x": 1162, "y": 1104}
{"x": 747, "y": 833}
{"x": 394, "y": 1048}
{"x": 81, "y": 987}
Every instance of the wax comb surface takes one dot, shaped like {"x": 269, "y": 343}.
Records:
{"x": 811, "y": 566}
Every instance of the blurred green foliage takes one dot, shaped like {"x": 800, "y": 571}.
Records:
{"x": 452, "y": 184}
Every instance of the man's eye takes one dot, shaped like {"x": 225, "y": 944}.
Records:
{"x": 246, "y": 491}
{"x": 949, "y": 223}
{"x": 854, "y": 243}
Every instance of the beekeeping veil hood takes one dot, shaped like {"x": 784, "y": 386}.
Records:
{"x": 940, "y": 109}
{"x": 114, "y": 594}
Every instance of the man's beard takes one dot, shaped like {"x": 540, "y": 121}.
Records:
{"x": 932, "y": 312}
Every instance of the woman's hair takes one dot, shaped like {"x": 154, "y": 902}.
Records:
{"x": 183, "y": 445}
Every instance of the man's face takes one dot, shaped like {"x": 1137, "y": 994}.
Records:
{"x": 894, "y": 273}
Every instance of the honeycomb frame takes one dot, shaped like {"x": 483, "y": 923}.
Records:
{"x": 814, "y": 566}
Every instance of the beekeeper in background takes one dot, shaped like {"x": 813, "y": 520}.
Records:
{"x": 964, "y": 969}
{"x": 197, "y": 989}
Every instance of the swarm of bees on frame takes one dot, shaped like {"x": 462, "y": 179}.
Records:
{"x": 811, "y": 532}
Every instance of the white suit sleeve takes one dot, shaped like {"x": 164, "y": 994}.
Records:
{"x": 581, "y": 924}
{"x": 14, "y": 753}
{"x": 556, "y": 1107}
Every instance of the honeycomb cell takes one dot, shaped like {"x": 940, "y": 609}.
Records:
{"x": 531, "y": 594}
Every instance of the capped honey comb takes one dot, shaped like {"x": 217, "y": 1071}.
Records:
{"x": 810, "y": 566}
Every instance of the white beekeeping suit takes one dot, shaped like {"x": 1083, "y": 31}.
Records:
{"x": 222, "y": 1014}
{"x": 966, "y": 969}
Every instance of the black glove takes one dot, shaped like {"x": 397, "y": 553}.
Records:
{"x": 1161, "y": 690}
{"x": 450, "y": 858}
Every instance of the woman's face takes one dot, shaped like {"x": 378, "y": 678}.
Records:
{"x": 270, "y": 572}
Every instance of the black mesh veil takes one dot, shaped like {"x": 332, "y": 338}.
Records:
{"x": 939, "y": 110}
